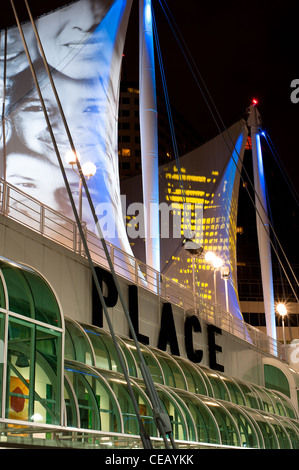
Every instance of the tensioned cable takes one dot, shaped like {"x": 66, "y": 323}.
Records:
{"x": 172, "y": 132}
{"x": 222, "y": 133}
{"x": 280, "y": 165}
{"x": 161, "y": 418}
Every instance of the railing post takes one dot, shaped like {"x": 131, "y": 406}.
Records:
{"x": 136, "y": 272}
{"x": 42, "y": 220}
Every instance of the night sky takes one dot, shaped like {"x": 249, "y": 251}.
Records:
{"x": 242, "y": 50}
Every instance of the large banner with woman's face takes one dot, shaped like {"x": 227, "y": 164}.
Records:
{"x": 83, "y": 45}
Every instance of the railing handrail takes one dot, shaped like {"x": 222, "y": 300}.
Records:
{"x": 181, "y": 296}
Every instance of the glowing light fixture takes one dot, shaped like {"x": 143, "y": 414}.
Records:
{"x": 71, "y": 157}
{"x": 282, "y": 310}
{"x": 209, "y": 256}
{"x": 89, "y": 169}
{"x": 254, "y": 101}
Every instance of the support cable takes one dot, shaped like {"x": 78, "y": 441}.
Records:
{"x": 161, "y": 417}
{"x": 144, "y": 436}
{"x": 279, "y": 163}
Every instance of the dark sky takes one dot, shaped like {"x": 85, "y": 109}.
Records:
{"x": 242, "y": 50}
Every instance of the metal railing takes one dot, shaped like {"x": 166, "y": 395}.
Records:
{"x": 21, "y": 207}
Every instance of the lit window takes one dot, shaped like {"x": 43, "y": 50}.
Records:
{"x": 125, "y": 152}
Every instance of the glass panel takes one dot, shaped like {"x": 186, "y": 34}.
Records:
{"x": 97, "y": 405}
{"x": 77, "y": 346}
{"x": 47, "y": 376}
{"x": 132, "y": 367}
{"x": 265, "y": 399}
{"x": 228, "y": 429}
{"x": 208, "y": 384}
{"x": 270, "y": 440}
{"x": 278, "y": 406}
{"x": 151, "y": 361}
{"x": 280, "y": 432}
{"x": 2, "y": 295}
{"x": 172, "y": 373}
{"x": 175, "y": 414}
{"x": 195, "y": 382}
{"x": 20, "y": 371}
{"x": 19, "y": 295}
{"x": 249, "y": 437}
{"x": 219, "y": 388}
{"x": 2, "y": 323}
{"x": 250, "y": 397}
{"x": 293, "y": 433}
{"x": 235, "y": 392}
{"x": 104, "y": 349}
{"x": 131, "y": 424}
{"x": 275, "y": 379}
{"x": 33, "y": 374}
{"x": 288, "y": 406}
{"x": 46, "y": 306}
{"x": 192, "y": 436}
{"x": 70, "y": 406}
{"x": 206, "y": 427}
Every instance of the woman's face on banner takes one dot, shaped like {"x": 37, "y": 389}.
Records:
{"x": 74, "y": 32}
{"x": 85, "y": 111}
{"x": 16, "y": 60}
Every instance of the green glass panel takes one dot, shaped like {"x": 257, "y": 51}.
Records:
{"x": 250, "y": 397}
{"x": 33, "y": 373}
{"x": 2, "y": 295}
{"x": 228, "y": 428}
{"x": 195, "y": 381}
{"x": 275, "y": 379}
{"x": 175, "y": 414}
{"x": 219, "y": 388}
{"x": 104, "y": 349}
{"x": 172, "y": 373}
{"x": 97, "y": 405}
{"x": 2, "y": 319}
{"x": 249, "y": 437}
{"x": 267, "y": 431}
{"x": 46, "y": 306}
{"x": 293, "y": 433}
{"x": 70, "y": 406}
{"x": 281, "y": 434}
{"x": 19, "y": 294}
{"x": 77, "y": 346}
{"x": 149, "y": 359}
{"x": 206, "y": 427}
{"x": 131, "y": 424}
{"x": 187, "y": 414}
{"x": 20, "y": 371}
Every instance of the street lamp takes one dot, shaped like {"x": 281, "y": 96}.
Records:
{"x": 195, "y": 250}
{"x": 216, "y": 262}
{"x": 225, "y": 275}
{"x": 88, "y": 170}
{"x": 281, "y": 309}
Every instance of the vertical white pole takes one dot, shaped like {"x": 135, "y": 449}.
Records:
{"x": 149, "y": 135}
{"x": 226, "y": 295}
{"x": 262, "y": 222}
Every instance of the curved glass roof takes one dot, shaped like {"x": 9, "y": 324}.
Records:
{"x": 24, "y": 291}
{"x": 204, "y": 406}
